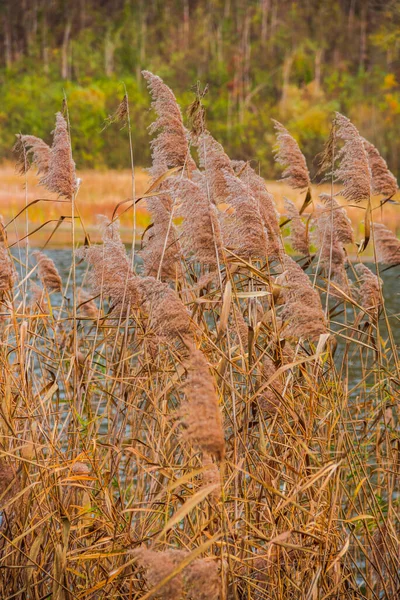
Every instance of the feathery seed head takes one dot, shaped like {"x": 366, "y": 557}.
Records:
{"x": 289, "y": 155}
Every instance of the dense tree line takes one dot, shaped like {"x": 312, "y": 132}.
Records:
{"x": 297, "y": 61}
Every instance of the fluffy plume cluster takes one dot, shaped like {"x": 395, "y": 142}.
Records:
{"x": 200, "y": 235}
{"x": 211, "y": 476}
{"x": 60, "y": 176}
{"x": 48, "y": 272}
{"x": 155, "y": 246}
{"x": 289, "y": 155}
{"x": 332, "y": 257}
{"x": 387, "y": 245}
{"x": 216, "y": 164}
{"x": 170, "y": 147}
{"x": 198, "y": 581}
{"x": 341, "y": 223}
{"x": 202, "y": 416}
{"x": 38, "y": 298}
{"x": 168, "y": 317}
{"x": 298, "y": 231}
{"x": 302, "y": 309}
{"x": 7, "y": 270}
{"x": 369, "y": 291}
{"x": 266, "y": 204}
{"x": 269, "y": 400}
{"x": 353, "y": 170}
{"x": 382, "y": 179}
{"x": 111, "y": 275}
{"x": 244, "y": 230}
{"x": 31, "y": 149}
{"x": 86, "y": 304}
{"x": 55, "y": 164}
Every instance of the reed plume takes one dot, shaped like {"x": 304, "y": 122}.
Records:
{"x": 387, "y": 245}
{"x": 244, "y": 230}
{"x": 259, "y": 190}
{"x": 332, "y": 256}
{"x": 341, "y": 222}
{"x": 48, "y": 272}
{"x": 202, "y": 417}
{"x": 169, "y": 318}
{"x": 353, "y": 170}
{"x": 155, "y": 245}
{"x": 211, "y": 476}
{"x": 198, "y": 581}
{"x": 200, "y": 233}
{"x": 38, "y": 298}
{"x": 216, "y": 164}
{"x": 303, "y": 321}
{"x": 382, "y": 179}
{"x": 30, "y": 148}
{"x": 157, "y": 566}
{"x": 289, "y": 155}
{"x": 270, "y": 399}
{"x": 111, "y": 274}
{"x": 266, "y": 204}
{"x": 7, "y": 270}
{"x": 171, "y": 146}
{"x": 60, "y": 176}
{"x": 202, "y": 580}
{"x": 302, "y": 309}
{"x": 86, "y": 305}
{"x": 369, "y": 290}
{"x": 298, "y": 231}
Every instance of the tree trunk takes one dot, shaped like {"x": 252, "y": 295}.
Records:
{"x": 109, "y": 49}
{"x": 7, "y": 41}
{"x": 317, "y": 70}
{"x": 265, "y": 6}
{"x": 185, "y": 24}
{"x": 363, "y": 35}
{"x": 287, "y": 66}
{"x": 64, "y": 51}
{"x": 45, "y": 50}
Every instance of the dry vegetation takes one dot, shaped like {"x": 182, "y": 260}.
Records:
{"x": 189, "y": 425}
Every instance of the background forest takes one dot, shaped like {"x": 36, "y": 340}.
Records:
{"x": 262, "y": 59}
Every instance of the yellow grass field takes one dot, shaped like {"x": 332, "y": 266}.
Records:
{"x": 101, "y": 191}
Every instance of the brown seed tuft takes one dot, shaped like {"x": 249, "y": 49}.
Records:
{"x": 298, "y": 232}
{"x": 370, "y": 290}
{"x": 30, "y": 148}
{"x": 387, "y": 245}
{"x": 200, "y": 234}
{"x": 289, "y": 155}
{"x": 216, "y": 165}
{"x": 302, "y": 309}
{"x": 47, "y": 272}
{"x": 244, "y": 230}
{"x": 171, "y": 145}
{"x": 353, "y": 170}
{"x": 383, "y": 181}
{"x": 202, "y": 416}
{"x": 60, "y": 176}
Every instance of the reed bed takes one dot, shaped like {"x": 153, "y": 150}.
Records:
{"x": 183, "y": 420}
